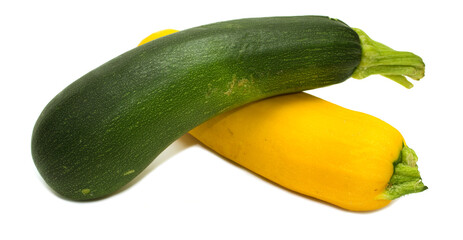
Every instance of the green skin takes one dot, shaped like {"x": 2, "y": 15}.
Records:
{"x": 105, "y": 128}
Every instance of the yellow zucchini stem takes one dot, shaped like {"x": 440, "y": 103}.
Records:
{"x": 378, "y": 58}
{"x": 406, "y": 178}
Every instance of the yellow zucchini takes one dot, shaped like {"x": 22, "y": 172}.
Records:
{"x": 317, "y": 148}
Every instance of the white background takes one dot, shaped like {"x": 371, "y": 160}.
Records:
{"x": 191, "y": 193}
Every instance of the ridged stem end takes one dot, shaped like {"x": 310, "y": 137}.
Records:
{"x": 378, "y": 58}
{"x": 406, "y": 178}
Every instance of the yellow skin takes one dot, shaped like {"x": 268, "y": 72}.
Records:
{"x": 310, "y": 146}
{"x": 156, "y": 35}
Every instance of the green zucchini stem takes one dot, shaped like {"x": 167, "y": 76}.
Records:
{"x": 378, "y": 58}
{"x": 406, "y": 178}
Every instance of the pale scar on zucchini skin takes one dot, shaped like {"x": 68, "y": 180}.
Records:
{"x": 85, "y": 191}
{"x": 129, "y": 172}
{"x": 236, "y": 85}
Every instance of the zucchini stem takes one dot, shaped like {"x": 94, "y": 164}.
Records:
{"x": 378, "y": 58}
{"x": 406, "y": 178}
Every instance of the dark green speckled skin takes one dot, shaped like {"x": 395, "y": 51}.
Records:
{"x": 106, "y": 127}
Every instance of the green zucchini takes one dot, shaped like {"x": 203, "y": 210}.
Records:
{"x": 105, "y": 128}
